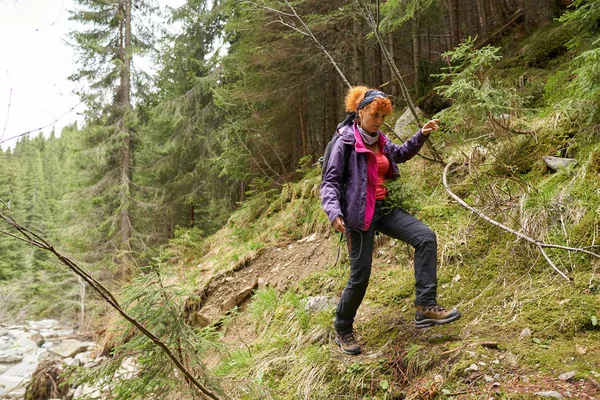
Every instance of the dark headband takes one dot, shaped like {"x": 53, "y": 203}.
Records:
{"x": 370, "y": 95}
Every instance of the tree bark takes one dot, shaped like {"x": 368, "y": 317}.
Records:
{"x": 454, "y": 23}
{"x": 539, "y": 12}
{"x": 416, "y": 44}
{"x": 124, "y": 106}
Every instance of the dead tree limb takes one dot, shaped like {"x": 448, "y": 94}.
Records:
{"x": 540, "y": 245}
{"x": 306, "y": 31}
{"x": 42, "y": 127}
{"x": 374, "y": 25}
{"x": 36, "y": 240}
{"x": 8, "y": 108}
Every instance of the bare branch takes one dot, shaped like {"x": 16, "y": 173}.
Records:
{"x": 540, "y": 245}
{"x": 8, "y": 110}
{"x": 106, "y": 295}
{"x": 374, "y": 25}
{"x": 42, "y": 127}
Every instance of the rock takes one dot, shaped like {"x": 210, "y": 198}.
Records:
{"x": 10, "y": 357}
{"x": 43, "y": 324}
{"x": 320, "y": 303}
{"x": 402, "y": 124}
{"x": 238, "y": 298}
{"x": 438, "y": 378}
{"x": 566, "y": 376}
{"x": 28, "y": 345}
{"x": 472, "y": 367}
{"x": 3, "y": 332}
{"x": 308, "y": 239}
{"x": 69, "y": 348}
{"x": 87, "y": 392}
{"x": 38, "y": 339}
{"x": 511, "y": 359}
{"x": 550, "y": 393}
{"x": 525, "y": 333}
{"x": 201, "y": 320}
{"x": 262, "y": 283}
{"x": 556, "y": 163}
{"x": 18, "y": 393}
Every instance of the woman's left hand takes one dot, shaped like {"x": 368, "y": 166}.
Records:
{"x": 430, "y": 126}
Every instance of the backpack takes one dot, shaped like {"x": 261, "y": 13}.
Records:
{"x": 324, "y": 161}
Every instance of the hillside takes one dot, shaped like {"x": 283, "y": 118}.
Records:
{"x": 249, "y": 309}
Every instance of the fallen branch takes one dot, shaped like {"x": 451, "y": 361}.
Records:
{"x": 540, "y": 245}
{"x": 36, "y": 240}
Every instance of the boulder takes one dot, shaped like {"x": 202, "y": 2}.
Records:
{"x": 402, "y": 124}
{"x": 37, "y": 339}
{"x": 11, "y": 357}
{"x": 566, "y": 376}
{"x": 69, "y": 348}
{"x": 239, "y": 297}
{"x": 556, "y": 163}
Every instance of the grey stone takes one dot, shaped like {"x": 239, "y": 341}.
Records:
{"x": 511, "y": 359}
{"x": 38, "y": 339}
{"x": 10, "y": 357}
{"x": 43, "y": 324}
{"x": 69, "y": 348}
{"x": 566, "y": 376}
{"x": 556, "y": 163}
{"x": 15, "y": 394}
{"x": 402, "y": 123}
{"x": 550, "y": 393}
{"x": 525, "y": 333}
{"x": 320, "y": 303}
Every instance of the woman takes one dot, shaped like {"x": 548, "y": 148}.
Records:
{"x": 357, "y": 208}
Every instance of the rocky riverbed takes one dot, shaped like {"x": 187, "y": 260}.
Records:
{"x": 23, "y": 347}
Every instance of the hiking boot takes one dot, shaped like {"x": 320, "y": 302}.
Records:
{"x": 347, "y": 342}
{"x": 434, "y": 315}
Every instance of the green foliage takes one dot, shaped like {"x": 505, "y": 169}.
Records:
{"x": 395, "y": 13}
{"x": 474, "y": 94}
{"x": 157, "y": 303}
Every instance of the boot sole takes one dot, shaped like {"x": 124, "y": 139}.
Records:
{"x": 426, "y": 323}
{"x": 352, "y": 353}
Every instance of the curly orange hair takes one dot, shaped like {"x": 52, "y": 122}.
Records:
{"x": 357, "y": 93}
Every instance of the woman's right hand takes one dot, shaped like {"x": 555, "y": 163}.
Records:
{"x": 338, "y": 224}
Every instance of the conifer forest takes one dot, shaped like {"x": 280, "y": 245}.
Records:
{"x": 179, "y": 224}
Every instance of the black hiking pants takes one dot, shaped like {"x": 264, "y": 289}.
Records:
{"x": 400, "y": 225}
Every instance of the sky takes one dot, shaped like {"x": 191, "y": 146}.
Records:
{"x": 35, "y": 62}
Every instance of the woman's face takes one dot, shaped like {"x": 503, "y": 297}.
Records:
{"x": 371, "y": 120}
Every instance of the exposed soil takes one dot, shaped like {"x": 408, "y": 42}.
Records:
{"x": 278, "y": 267}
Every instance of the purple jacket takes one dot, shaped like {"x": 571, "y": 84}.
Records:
{"x": 359, "y": 198}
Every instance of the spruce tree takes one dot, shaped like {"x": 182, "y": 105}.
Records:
{"x": 115, "y": 32}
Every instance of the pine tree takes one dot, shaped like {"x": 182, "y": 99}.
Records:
{"x": 117, "y": 30}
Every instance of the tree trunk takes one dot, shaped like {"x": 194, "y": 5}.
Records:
{"x": 416, "y": 44}
{"x": 454, "y": 23}
{"x": 303, "y": 143}
{"x": 539, "y": 12}
{"x": 125, "y": 105}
